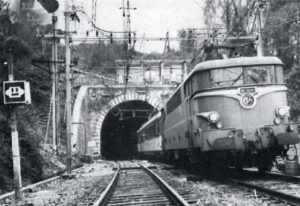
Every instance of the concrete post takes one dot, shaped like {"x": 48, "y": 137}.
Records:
{"x": 260, "y": 51}
{"x": 15, "y": 139}
{"x": 124, "y": 74}
{"x": 68, "y": 88}
{"x": 184, "y": 69}
{"x": 54, "y": 83}
{"x": 143, "y": 69}
{"x": 161, "y": 71}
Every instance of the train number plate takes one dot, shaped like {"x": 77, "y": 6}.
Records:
{"x": 247, "y": 90}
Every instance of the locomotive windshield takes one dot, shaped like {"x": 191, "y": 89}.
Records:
{"x": 227, "y": 77}
{"x": 237, "y": 76}
{"x": 260, "y": 75}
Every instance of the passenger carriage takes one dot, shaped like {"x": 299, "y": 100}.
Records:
{"x": 149, "y": 136}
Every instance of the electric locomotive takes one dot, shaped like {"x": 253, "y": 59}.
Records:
{"x": 234, "y": 110}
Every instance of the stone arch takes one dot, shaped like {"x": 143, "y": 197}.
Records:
{"x": 98, "y": 119}
{"x": 79, "y": 119}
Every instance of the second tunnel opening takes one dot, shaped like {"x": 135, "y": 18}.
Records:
{"x": 118, "y": 139}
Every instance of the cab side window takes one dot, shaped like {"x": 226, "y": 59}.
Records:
{"x": 198, "y": 81}
{"x": 279, "y": 74}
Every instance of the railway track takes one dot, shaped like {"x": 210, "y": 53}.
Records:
{"x": 134, "y": 184}
{"x": 92, "y": 194}
{"x": 281, "y": 188}
{"x": 270, "y": 189}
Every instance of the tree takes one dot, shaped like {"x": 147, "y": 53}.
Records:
{"x": 231, "y": 14}
{"x": 186, "y": 46}
{"x": 281, "y": 32}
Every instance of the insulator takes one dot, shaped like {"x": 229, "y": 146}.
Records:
{"x": 129, "y": 38}
{"x": 111, "y": 38}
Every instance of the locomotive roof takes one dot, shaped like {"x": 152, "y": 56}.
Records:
{"x": 224, "y": 63}
{"x": 235, "y": 62}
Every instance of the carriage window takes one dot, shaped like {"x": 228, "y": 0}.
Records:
{"x": 260, "y": 75}
{"x": 174, "y": 102}
{"x": 226, "y": 77}
{"x": 279, "y": 74}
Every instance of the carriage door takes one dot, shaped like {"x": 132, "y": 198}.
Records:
{"x": 189, "y": 111}
{"x": 162, "y": 129}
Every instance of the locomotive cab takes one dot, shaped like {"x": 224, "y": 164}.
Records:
{"x": 240, "y": 105}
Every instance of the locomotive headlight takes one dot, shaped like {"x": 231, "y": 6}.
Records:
{"x": 277, "y": 121}
{"x": 219, "y": 125}
{"x": 290, "y": 128}
{"x": 213, "y": 117}
{"x": 282, "y": 111}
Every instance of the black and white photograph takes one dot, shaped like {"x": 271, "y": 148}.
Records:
{"x": 149, "y": 102}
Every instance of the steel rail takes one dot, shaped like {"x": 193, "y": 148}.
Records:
{"x": 291, "y": 199}
{"x": 28, "y": 188}
{"x": 108, "y": 189}
{"x": 166, "y": 187}
{"x": 35, "y": 186}
{"x": 282, "y": 177}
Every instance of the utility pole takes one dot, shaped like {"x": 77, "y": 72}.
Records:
{"x": 94, "y": 11}
{"x": 124, "y": 21}
{"x": 127, "y": 20}
{"x": 15, "y": 138}
{"x": 54, "y": 84}
{"x": 68, "y": 87}
{"x": 260, "y": 51}
{"x": 263, "y": 5}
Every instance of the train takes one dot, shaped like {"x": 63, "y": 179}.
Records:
{"x": 229, "y": 112}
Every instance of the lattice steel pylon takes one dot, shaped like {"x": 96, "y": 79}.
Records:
{"x": 127, "y": 20}
{"x": 167, "y": 44}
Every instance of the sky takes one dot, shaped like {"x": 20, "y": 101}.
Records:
{"x": 151, "y": 18}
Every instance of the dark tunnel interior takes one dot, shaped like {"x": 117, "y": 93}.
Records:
{"x": 118, "y": 139}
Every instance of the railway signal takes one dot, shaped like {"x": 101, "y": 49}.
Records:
{"x": 16, "y": 92}
{"x": 50, "y": 5}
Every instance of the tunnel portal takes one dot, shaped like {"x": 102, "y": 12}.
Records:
{"x": 119, "y": 141}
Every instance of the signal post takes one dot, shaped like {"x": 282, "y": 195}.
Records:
{"x": 68, "y": 88}
{"x": 15, "y": 139}
{"x": 54, "y": 84}
{"x": 15, "y": 93}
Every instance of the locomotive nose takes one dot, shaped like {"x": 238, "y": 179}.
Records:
{"x": 269, "y": 136}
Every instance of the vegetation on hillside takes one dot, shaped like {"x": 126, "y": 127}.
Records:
{"x": 18, "y": 35}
